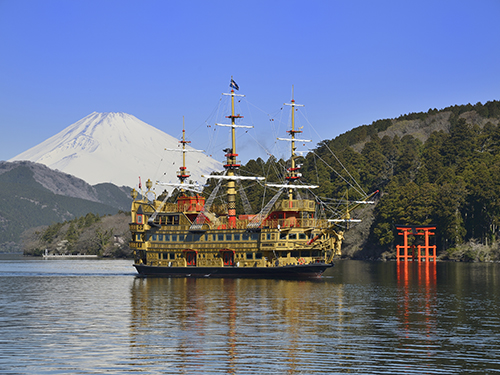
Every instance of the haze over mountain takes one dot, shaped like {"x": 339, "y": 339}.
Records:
{"x": 117, "y": 148}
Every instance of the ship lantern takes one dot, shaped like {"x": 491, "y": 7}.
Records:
{"x": 133, "y": 194}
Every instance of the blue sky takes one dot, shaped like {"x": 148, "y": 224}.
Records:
{"x": 350, "y": 62}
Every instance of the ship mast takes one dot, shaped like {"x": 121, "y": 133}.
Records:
{"x": 231, "y": 166}
{"x": 231, "y": 163}
{"x": 183, "y": 174}
{"x": 293, "y": 175}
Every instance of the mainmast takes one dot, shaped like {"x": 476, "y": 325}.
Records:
{"x": 231, "y": 163}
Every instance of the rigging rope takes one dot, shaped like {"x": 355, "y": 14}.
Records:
{"x": 342, "y": 177}
{"x": 200, "y": 219}
{"x": 338, "y": 160}
{"x": 259, "y": 218}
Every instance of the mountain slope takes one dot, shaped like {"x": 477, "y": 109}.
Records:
{"x": 116, "y": 148}
{"x": 32, "y": 195}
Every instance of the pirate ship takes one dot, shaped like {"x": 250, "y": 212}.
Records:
{"x": 195, "y": 237}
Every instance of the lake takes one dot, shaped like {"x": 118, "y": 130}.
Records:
{"x": 97, "y": 316}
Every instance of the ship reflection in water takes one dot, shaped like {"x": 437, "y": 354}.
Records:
{"x": 362, "y": 318}
{"x": 223, "y": 323}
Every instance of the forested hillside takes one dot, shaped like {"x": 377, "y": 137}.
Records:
{"x": 449, "y": 178}
{"x": 91, "y": 234}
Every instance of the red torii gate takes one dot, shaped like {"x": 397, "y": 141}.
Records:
{"x": 423, "y": 253}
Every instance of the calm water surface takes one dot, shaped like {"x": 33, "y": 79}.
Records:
{"x": 96, "y": 316}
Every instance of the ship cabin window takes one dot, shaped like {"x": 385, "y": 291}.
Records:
{"x": 138, "y": 237}
{"x": 220, "y": 237}
{"x": 282, "y": 236}
{"x": 245, "y": 236}
{"x": 174, "y": 237}
{"x": 229, "y": 237}
{"x": 254, "y": 236}
{"x": 166, "y": 237}
{"x": 160, "y": 237}
{"x": 315, "y": 253}
{"x": 292, "y": 236}
{"x": 236, "y": 236}
{"x": 189, "y": 237}
{"x": 172, "y": 220}
{"x": 258, "y": 255}
{"x": 268, "y": 237}
{"x": 155, "y": 237}
{"x": 182, "y": 237}
{"x": 295, "y": 254}
{"x": 139, "y": 219}
{"x": 249, "y": 256}
{"x": 302, "y": 236}
{"x": 305, "y": 253}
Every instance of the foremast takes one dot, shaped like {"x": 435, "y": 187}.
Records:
{"x": 183, "y": 174}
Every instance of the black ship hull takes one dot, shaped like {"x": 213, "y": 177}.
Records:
{"x": 306, "y": 271}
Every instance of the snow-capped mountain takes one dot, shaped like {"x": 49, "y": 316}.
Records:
{"x": 117, "y": 148}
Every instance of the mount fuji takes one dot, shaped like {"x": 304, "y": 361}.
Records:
{"x": 117, "y": 148}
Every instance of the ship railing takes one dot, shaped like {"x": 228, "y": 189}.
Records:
{"x": 134, "y": 227}
{"x": 167, "y": 207}
{"x": 219, "y": 209}
{"x": 295, "y": 204}
{"x": 276, "y": 224}
{"x": 188, "y": 207}
{"x": 282, "y": 224}
{"x": 295, "y": 223}
{"x": 223, "y": 223}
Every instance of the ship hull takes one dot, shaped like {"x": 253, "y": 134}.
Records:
{"x": 306, "y": 271}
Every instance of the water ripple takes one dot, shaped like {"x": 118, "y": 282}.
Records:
{"x": 96, "y": 317}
